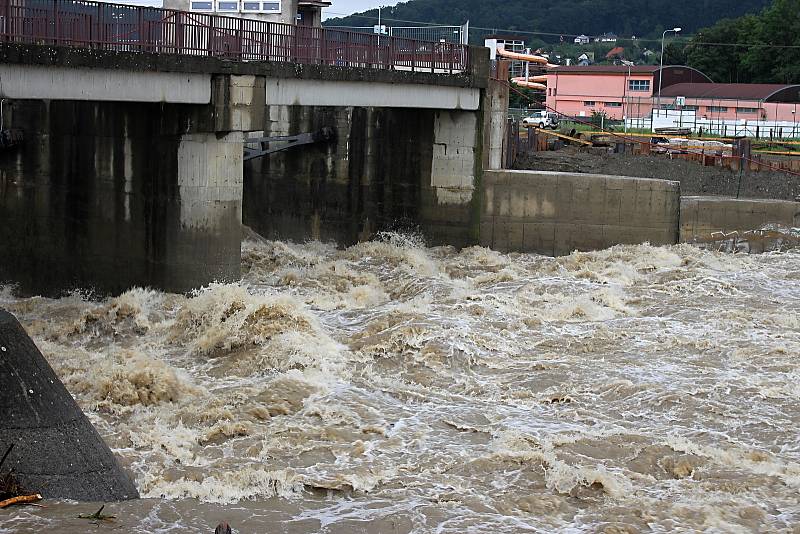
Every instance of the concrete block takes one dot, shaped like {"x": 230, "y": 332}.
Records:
{"x": 539, "y": 238}
{"x": 562, "y": 212}
{"x": 487, "y": 232}
{"x": 580, "y": 204}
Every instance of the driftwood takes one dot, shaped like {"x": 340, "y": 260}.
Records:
{"x": 21, "y": 499}
{"x": 97, "y": 516}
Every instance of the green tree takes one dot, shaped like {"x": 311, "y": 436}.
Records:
{"x": 675, "y": 54}
{"x": 718, "y": 51}
{"x": 777, "y": 30}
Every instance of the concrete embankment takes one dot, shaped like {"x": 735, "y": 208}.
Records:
{"x": 704, "y": 218}
{"x": 57, "y": 452}
{"x": 555, "y": 213}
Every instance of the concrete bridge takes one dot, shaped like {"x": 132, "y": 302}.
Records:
{"x": 132, "y": 168}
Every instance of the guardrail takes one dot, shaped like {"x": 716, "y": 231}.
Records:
{"x": 118, "y": 27}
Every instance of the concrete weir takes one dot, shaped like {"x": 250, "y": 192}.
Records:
{"x": 556, "y": 213}
{"x": 57, "y": 452}
{"x": 703, "y": 217}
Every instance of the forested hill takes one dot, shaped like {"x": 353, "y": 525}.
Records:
{"x": 641, "y": 18}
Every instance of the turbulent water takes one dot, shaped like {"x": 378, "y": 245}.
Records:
{"x": 391, "y": 387}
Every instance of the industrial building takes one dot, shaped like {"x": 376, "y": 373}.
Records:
{"x": 687, "y": 98}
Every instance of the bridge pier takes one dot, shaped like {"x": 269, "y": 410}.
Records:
{"x": 109, "y": 195}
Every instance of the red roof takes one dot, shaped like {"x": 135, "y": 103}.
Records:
{"x": 616, "y": 51}
{"x": 731, "y": 91}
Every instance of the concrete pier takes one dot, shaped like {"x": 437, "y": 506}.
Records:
{"x": 109, "y": 195}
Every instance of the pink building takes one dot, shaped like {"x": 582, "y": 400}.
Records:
{"x": 735, "y": 101}
{"x": 618, "y": 90}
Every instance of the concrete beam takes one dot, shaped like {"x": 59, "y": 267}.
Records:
{"x": 290, "y": 92}
{"x": 66, "y": 83}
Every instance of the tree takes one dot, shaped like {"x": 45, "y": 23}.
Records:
{"x": 718, "y": 51}
{"x": 762, "y": 48}
{"x": 778, "y": 30}
{"x": 675, "y": 54}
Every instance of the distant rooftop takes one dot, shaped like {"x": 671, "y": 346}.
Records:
{"x": 732, "y": 91}
{"x": 608, "y": 69}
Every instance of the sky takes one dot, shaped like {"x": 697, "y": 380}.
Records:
{"x": 346, "y": 7}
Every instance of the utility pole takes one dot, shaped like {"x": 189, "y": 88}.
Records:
{"x": 661, "y": 69}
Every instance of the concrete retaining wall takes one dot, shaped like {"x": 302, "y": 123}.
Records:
{"x": 703, "y": 216}
{"x": 556, "y": 213}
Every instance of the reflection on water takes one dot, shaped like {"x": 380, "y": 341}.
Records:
{"x": 391, "y": 387}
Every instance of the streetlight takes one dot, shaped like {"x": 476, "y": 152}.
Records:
{"x": 661, "y": 69}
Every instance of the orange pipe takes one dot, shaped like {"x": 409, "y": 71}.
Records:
{"x": 529, "y": 84}
{"x": 522, "y": 57}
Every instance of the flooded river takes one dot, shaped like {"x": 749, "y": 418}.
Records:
{"x": 394, "y": 388}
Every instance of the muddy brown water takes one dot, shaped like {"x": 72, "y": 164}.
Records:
{"x": 391, "y": 387}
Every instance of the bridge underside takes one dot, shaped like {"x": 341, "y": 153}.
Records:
{"x": 132, "y": 175}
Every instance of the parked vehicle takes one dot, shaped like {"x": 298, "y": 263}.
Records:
{"x": 541, "y": 119}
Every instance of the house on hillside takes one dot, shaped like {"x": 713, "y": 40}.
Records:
{"x": 582, "y": 39}
{"x": 616, "y": 54}
{"x": 584, "y": 60}
{"x": 606, "y": 38}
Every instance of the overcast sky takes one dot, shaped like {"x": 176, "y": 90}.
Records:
{"x": 346, "y": 7}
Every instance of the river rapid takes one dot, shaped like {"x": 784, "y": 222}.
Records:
{"x": 393, "y": 388}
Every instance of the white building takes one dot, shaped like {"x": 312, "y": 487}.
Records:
{"x": 301, "y": 12}
{"x": 582, "y": 39}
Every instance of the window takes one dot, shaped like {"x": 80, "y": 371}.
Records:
{"x": 613, "y": 104}
{"x": 589, "y": 103}
{"x": 717, "y": 109}
{"x": 690, "y": 108}
{"x": 638, "y": 85}
{"x": 261, "y": 7}
{"x": 233, "y": 6}
{"x": 747, "y": 110}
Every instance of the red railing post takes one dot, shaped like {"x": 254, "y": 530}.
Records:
{"x": 101, "y": 29}
{"x": 55, "y": 21}
{"x": 391, "y": 54}
{"x": 178, "y": 32}
{"x": 211, "y": 34}
{"x": 323, "y": 45}
{"x": 238, "y": 41}
{"x": 140, "y": 26}
{"x": 6, "y": 20}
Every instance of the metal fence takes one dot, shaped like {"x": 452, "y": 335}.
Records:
{"x": 118, "y": 27}
{"x": 448, "y": 34}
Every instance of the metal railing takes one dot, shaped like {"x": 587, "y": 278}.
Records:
{"x": 117, "y": 27}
